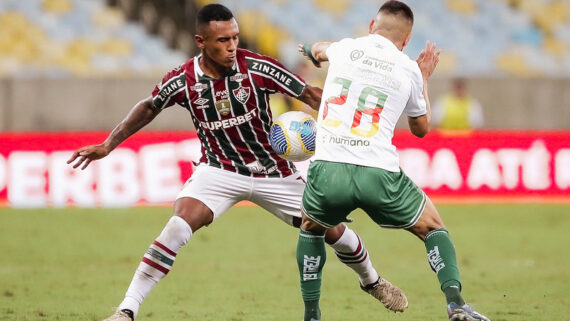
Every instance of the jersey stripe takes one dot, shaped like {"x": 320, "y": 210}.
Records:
{"x": 219, "y": 136}
{"x": 208, "y": 156}
{"x": 252, "y": 139}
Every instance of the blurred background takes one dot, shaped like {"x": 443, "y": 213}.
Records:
{"x": 61, "y": 60}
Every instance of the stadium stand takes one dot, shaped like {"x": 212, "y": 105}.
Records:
{"x": 57, "y": 38}
{"x": 526, "y": 38}
{"x": 478, "y": 37}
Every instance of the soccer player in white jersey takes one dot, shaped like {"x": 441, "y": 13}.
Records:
{"x": 370, "y": 83}
{"x": 226, "y": 90}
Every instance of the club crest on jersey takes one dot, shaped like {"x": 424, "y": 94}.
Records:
{"x": 241, "y": 94}
{"x": 223, "y": 107}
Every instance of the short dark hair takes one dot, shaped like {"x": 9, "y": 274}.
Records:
{"x": 397, "y": 7}
{"x": 213, "y": 12}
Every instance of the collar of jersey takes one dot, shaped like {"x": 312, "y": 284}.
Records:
{"x": 382, "y": 40}
{"x": 203, "y": 76}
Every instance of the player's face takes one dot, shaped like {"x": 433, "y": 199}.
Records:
{"x": 218, "y": 42}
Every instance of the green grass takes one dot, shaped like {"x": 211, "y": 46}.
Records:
{"x": 76, "y": 265}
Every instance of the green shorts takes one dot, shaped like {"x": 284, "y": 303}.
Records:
{"x": 334, "y": 190}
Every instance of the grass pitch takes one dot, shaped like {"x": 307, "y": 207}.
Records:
{"x": 76, "y": 264}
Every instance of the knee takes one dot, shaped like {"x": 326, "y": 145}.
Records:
{"x": 423, "y": 227}
{"x": 333, "y": 234}
{"x": 194, "y": 212}
{"x": 311, "y": 226}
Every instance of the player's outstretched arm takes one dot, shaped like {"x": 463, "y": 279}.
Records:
{"x": 316, "y": 53}
{"x": 140, "y": 115}
{"x": 311, "y": 96}
{"x": 427, "y": 61}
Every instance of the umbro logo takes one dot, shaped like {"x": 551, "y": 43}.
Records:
{"x": 201, "y": 103}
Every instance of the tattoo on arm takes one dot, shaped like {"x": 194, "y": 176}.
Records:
{"x": 139, "y": 116}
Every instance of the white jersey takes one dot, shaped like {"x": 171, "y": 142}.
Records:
{"x": 369, "y": 84}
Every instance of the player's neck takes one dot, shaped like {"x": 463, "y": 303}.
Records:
{"x": 211, "y": 68}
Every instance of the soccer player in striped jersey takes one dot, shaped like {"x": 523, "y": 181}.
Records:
{"x": 370, "y": 83}
{"x": 226, "y": 90}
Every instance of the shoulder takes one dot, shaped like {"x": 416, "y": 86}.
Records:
{"x": 249, "y": 56}
{"x": 343, "y": 43}
{"x": 336, "y": 51}
{"x": 186, "y": 67}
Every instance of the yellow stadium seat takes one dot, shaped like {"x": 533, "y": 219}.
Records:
{"x": 57, "y": 6}
{"x": 336, "y": 7}
{"x": 108, "y": 18}
{"x": 79, "y": 52}
{"x": 116, "y": 47}
{"x": 248, "y": 23}
{"x": 269, "y": 38}
{"x": 465, "y": 7}
{"x": 555, "y": 47}
{"x": 202, "y": 3}
{"x": 513, "y": 63}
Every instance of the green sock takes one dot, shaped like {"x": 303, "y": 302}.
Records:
{"x": 442, "y": 259}
{"x": 312, "y": 311}
{"x": 311, "y": 257}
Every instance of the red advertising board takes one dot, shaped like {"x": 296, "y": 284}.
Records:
{"x": 150, "y": 167}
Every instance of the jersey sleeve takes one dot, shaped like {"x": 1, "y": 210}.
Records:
{"x": 274, "y": 77}
{"x": 337, "y": 50}
{"x": 170, "y": 90}
{"x": 416, "y": 105}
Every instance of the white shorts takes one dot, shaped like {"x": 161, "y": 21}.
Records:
{"x": 220, "y": 189}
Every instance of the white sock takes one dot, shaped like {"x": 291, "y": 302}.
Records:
{"x": 156, "y": 262}
{"x": 350, "y": 250}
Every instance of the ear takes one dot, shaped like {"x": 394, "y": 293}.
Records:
{"x": 407, "y": 39}
{"x": 200, "y": 41}
{"x": 370, "y": 27}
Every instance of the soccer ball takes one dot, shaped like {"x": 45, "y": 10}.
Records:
{"x": 292, "y": 136}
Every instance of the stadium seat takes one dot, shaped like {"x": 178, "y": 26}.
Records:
{"x": 76, "y": 37}
{"x": 463, "y": 29}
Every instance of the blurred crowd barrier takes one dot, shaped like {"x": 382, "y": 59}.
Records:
{"x": 151, "y": 167}
{"x": 99, "y": 104}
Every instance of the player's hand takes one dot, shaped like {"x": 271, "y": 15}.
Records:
{"x": 85, "y": 155}
{"x": 305, "y": 50}
{"x": 428, "y": 59}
